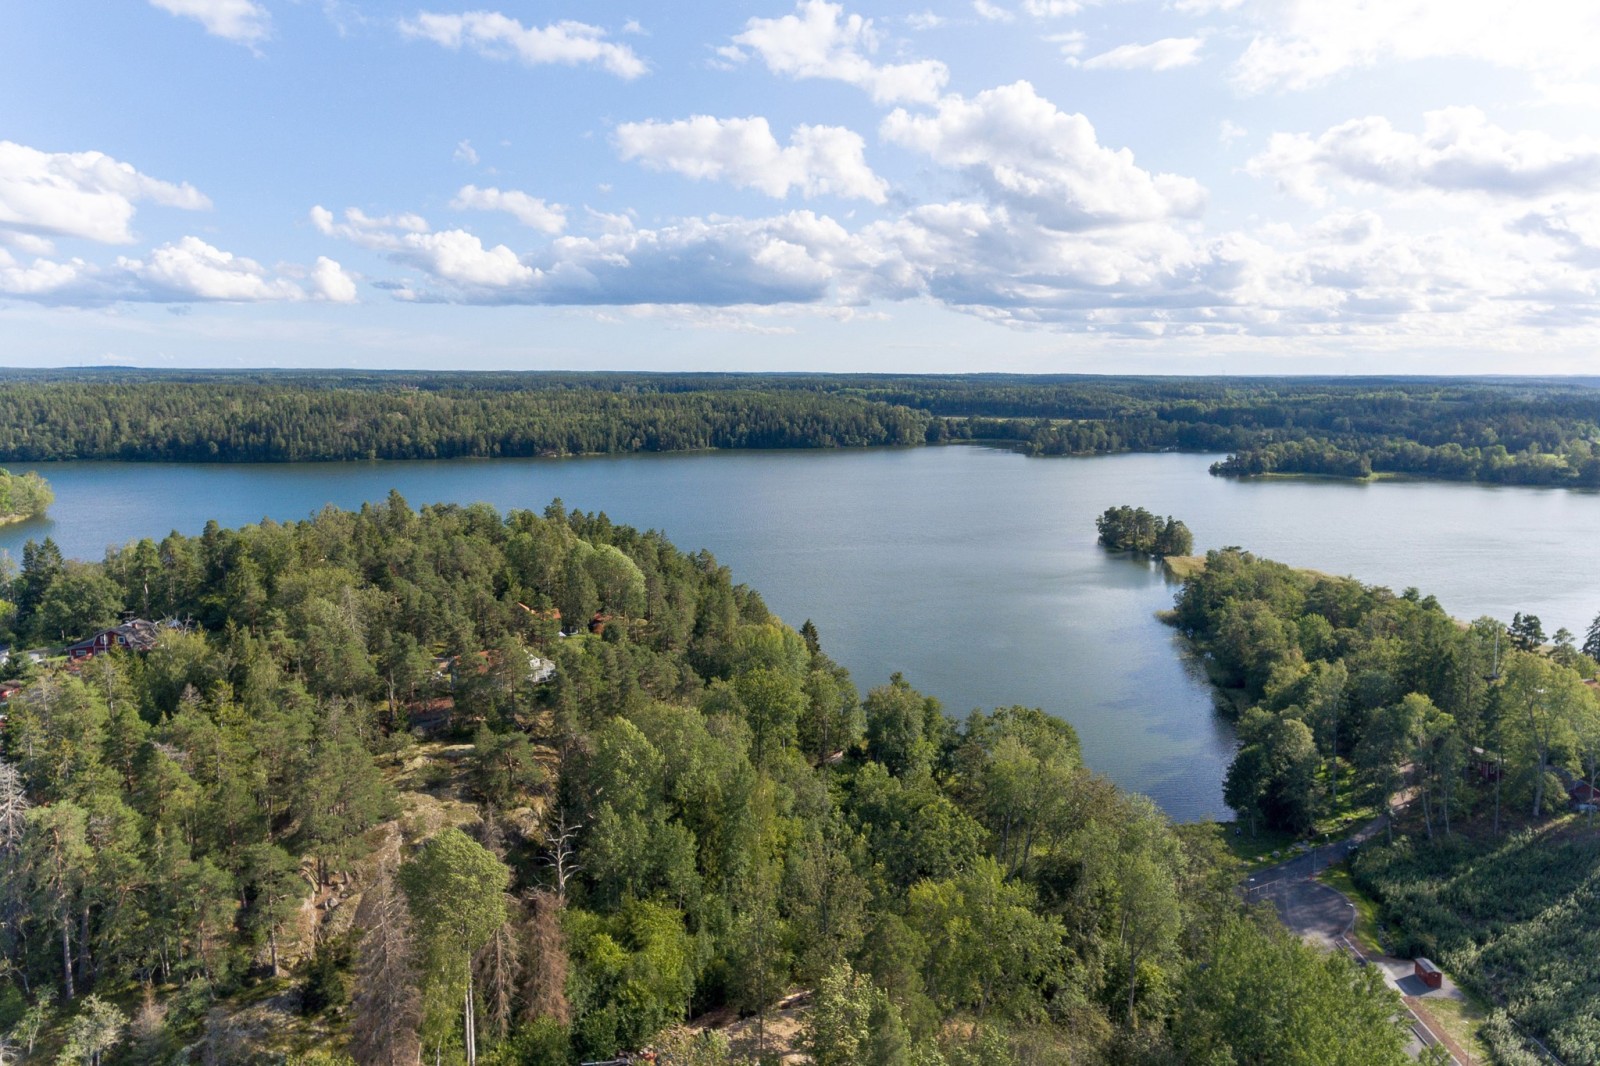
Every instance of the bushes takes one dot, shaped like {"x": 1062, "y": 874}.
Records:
{"x": 1517, "y": 920}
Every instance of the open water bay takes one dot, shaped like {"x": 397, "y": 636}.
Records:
{"x": 972, "y": 570}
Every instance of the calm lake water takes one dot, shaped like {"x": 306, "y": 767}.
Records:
{"x": 971, "y": 570}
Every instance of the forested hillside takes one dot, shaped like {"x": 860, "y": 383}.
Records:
{"x": 395, "y": 787}
{"x": 1351, "y": 696}
{"x": 1497, "y": 430}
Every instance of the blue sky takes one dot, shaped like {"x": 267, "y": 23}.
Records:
{"x": 1190, "y": 186}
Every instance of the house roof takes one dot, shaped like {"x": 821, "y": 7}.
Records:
{"x": 137, "y": 634}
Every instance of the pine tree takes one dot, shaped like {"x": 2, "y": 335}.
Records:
{"x": 42, "y": 564}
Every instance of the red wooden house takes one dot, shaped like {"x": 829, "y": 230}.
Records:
{"x": 135, "y": 635}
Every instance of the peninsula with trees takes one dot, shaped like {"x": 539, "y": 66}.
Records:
{"x": 1480, "y": 745}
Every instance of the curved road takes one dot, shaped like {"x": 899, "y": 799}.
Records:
{"x": 1307, "y": 907}
{"x": 1322, "y": 915}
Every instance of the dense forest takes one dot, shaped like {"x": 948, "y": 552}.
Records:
{"x": 454, "y": 786}
{"x": 1521, "y": 431}
{"x": 23, "y": 496}
{"x": 1348, "y": 696}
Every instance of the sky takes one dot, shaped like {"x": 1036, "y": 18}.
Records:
{"x": 1099, "y": 186}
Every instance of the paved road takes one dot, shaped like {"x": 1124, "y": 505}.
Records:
{"x": 1310, "y": 910}
{"x": 1307, "y": 907}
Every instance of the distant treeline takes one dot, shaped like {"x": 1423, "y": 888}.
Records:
{"x": 233, "y": 420}
{"x": 1523, "y": 431}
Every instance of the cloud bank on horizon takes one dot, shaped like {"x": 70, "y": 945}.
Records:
{"x": 1198, "y": 185}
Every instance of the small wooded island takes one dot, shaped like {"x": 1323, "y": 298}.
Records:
{"x": 1133, "y": 529}
{"x": 23, "y": 496}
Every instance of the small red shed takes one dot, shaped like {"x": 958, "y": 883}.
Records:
{"x": 1429, "y": 974}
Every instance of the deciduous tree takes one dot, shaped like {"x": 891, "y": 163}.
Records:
{"x": 456, "y": 891}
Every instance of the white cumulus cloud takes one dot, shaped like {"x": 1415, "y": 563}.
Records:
{"x": 187, "y": 270}
{"x": 40, "y": 279}
{"x": 79, "y": 194}
{"x": 357, "y": 222}
{"x": 499, "y": 36}
{"x": 1458, "y": 151}
{"x": 330, "y": 282}
{"x": 191, "y": 269}
{"x": 528, "y": 210}
{"x": 820, "y": 41}
{"x": 1305, "y": 42}
{"x": 1026, "y": 153}
{"x": 1168, "y": 53}
{"x": 707, "y": 263}
{"x": 1050, "y": 9}
{"x": 234, "y": 20}
{"x": 818, "y": 161}
{"x": 458, "y": 256}
{"x": 453, "y": 255}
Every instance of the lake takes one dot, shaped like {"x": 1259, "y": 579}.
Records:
{"x": 972, "y": 570}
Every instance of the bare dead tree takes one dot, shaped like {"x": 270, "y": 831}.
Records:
{"x": 386, "y": 1007}
{"x": 563, "y": 853}
{"x": 13, "y": 809}
{"x": 148, "y": 1025}
{"x": 491, "y": 833}
{"x": 545, "y": 991}
{"x": 499, "y": 966}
